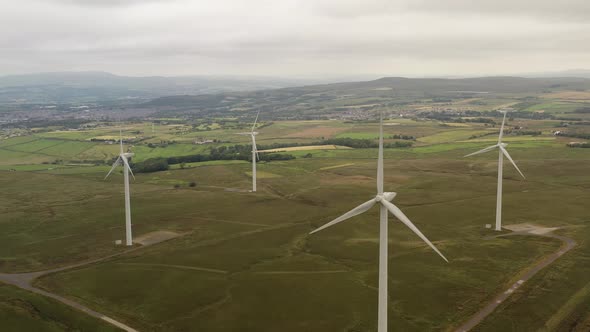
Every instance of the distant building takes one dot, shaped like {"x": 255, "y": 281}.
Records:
{"x": 577, "y": 144}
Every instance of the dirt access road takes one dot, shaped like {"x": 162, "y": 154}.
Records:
{"x": 25, "y": 280}
{"x": 528, "y": 273}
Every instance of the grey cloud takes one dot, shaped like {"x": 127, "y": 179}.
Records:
{"x": 578, "y": 10}
{"x": 292, "y": 37}
{"x": 107, "y": 3}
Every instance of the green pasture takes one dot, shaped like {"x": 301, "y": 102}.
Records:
{"x": 245, "y": 261}
{"x": 555, "y": 107}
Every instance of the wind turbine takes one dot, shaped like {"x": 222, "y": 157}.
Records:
{"x": 502, "y": 152}
{"x": 383, "y": 199}
{"x": 122, "y": 160}
{"x": 255, "y": 156}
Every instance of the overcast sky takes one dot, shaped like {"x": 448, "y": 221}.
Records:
{"x": 289, "y": 38}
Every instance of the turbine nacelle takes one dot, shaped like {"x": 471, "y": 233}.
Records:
{"x": 388, "y": 196}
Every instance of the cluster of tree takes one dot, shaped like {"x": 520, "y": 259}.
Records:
{"x": 235, "y": 152}
{"x": 523, "y": 132}
{"x": 530, "y": 115}
{"x": 567, "y": 118}
{"x": 404, "y": 137}
{"x": 479, "y": 120}
{"x": 192, "y": 184}
{"x": 571, "y": 122}
{"x": 482, "y": 135}
{"x": 482, "y": 117}
{"x": 150, "y": 165}
{"x": 395, "y": 145}
{"x": 582, "y": 110}
{"x": 162, "y": 144}
{"x": 47, "y": 123}
{"x": 54, "y": 162}
{"x": 361, "y": 143}
{"x": 576, "y": 135}
{"x": 439, "y": 116}
{"x": 345, "y": 141}
{"x": 265, "y": 124}
{"x": 244, "y": 152}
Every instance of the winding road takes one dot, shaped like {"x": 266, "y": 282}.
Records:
{"x": 529, "y": 272}
{"x": 25, "y": 280}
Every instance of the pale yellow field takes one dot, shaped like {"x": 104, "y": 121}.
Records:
{"x": 112, "y": 138}
{"x": 569, "y": 95}
{"x": 307, "y": 147}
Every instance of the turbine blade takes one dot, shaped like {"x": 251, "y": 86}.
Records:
{"x": 489, "y": 148}
{"x": 121, "y": 139}
{"x": 115, "y": 164}
{"x": 354, "y": 212}
{"x": 402, "y": 217}
{"x": 254, "y": 125}
{"x": 254, "y": 148}
{"x": 505, "y": 152}
{"x": 502, "y": 129}
{"x": 128, "y": 167}
{"x": 380, "y": 158}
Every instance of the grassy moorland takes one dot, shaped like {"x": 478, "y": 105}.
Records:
{"x": 246, "y": 261}
{"x": 24, "y": 311}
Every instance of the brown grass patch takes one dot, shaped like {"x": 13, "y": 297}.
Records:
{"x": 155, "y": 237}
{"x": 569, "y": 95}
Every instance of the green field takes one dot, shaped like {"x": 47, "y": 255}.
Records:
{"x": 245, "y": 262}
{"x": 24, "y": 311}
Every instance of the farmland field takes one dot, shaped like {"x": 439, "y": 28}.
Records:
{"x": 245, "y": 261}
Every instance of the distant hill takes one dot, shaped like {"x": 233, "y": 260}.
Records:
{"x": 80, "y": 87}
{"x": 395, "y": 92}
{"x": 584, "y": 73}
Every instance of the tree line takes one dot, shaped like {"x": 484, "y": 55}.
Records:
{"x": 244, "y": 152}
{"x": 234, "y": 152}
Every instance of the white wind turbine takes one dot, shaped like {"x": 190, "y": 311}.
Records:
{"x": 502, "y": 152}
{"x": 383, "y": 199}
{"x": 122, "y": 160}
{"x": 255, "y": 156}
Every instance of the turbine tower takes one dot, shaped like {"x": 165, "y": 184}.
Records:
{"x": 255, "y": 156}
{"x": 383, "y": 199}
{"x": 501, "y": 153}
{"x": 123, "y": 160}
